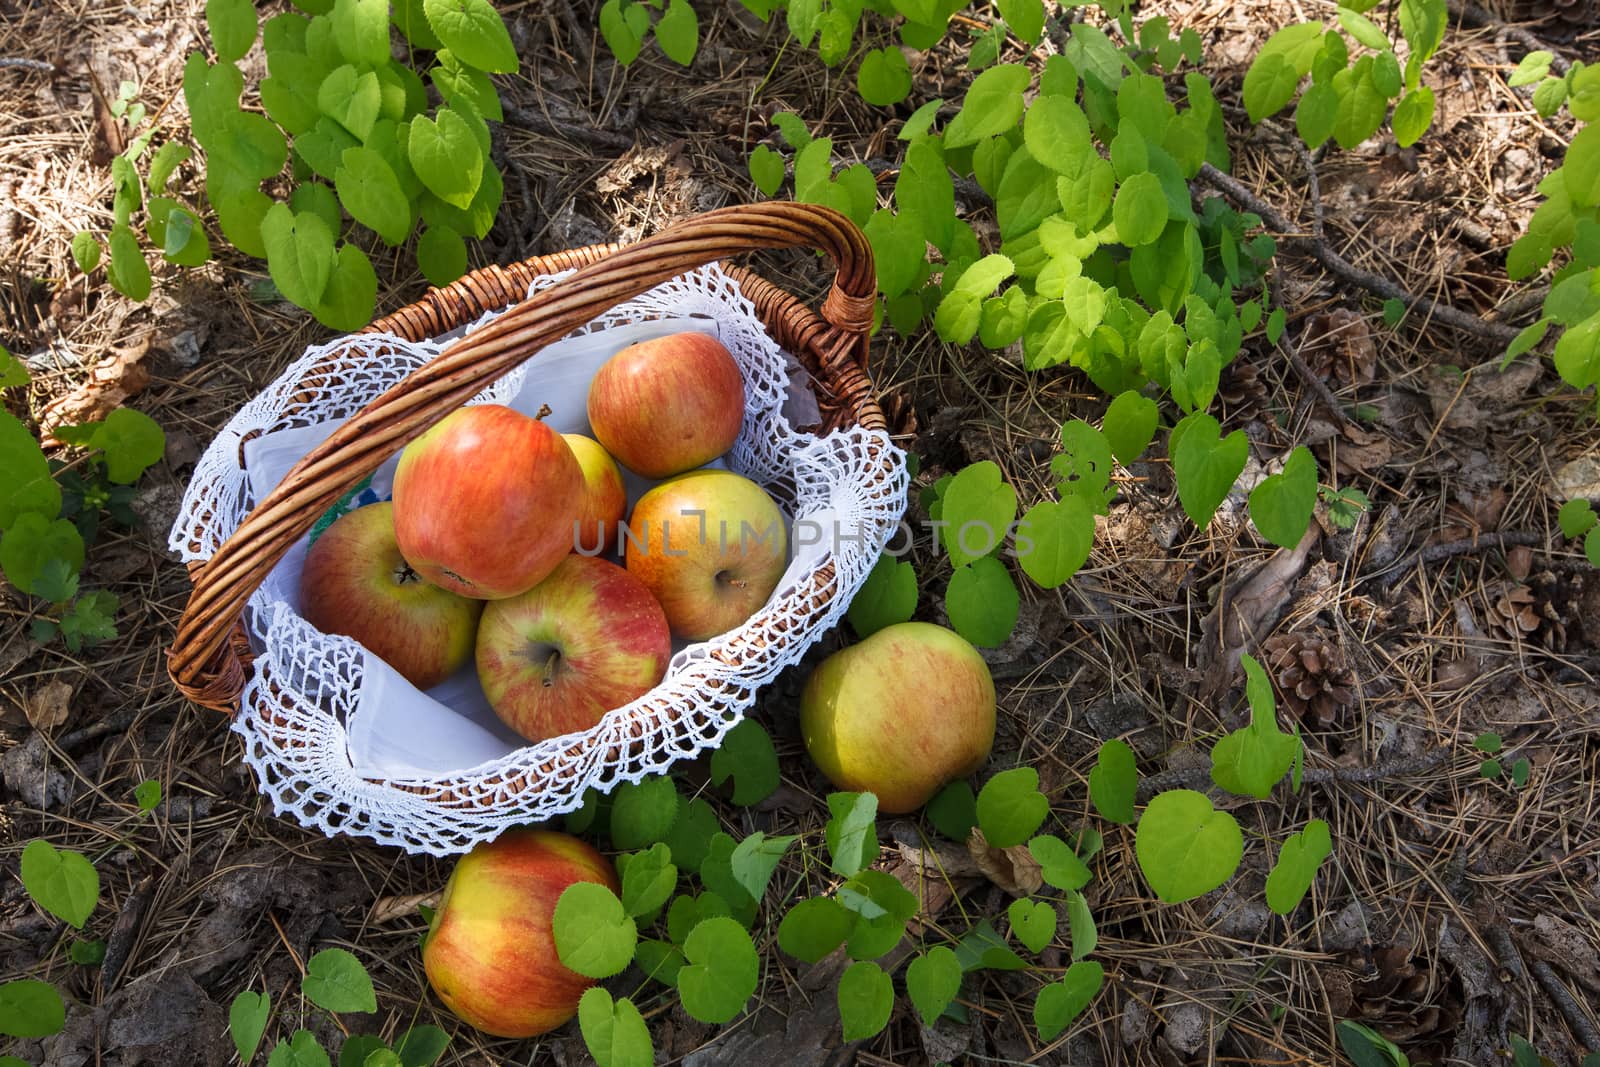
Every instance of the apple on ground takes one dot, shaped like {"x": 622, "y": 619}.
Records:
{"x": 490, "y": 951}
{"x": 669, "y": 404}
{"x": 605, "y": 500}
{"x": 587, "y": 639}
{"x": 484, "y": 501}
{"x": 355, "y": 582}
{"x": 711, "y": 545}
{"x": 900, "y": 714}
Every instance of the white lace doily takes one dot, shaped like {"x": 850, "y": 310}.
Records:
{"x": 343, "y": 744}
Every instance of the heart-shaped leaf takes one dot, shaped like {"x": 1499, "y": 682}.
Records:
{"x": 614, "y": 1031}
{"x": 593, "y": 933}
{"x": 1291, "y": 877}
{"x": 721, "y": 973}
{"x": 1033, "y": 923}
{"x": 1281, "y": 505}
{"x": 1010, "y": 807}
{"x": 1113, "y": 782}
{"x": 1206, "y": 464}
{"x": 1061, "y": 1002}
{"x": 1186, "y": 848}
{"x": 63, "y": 883}
{"x": 932, "y": 981}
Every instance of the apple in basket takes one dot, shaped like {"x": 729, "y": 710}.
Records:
{"x": 605, "y": 500}
{"x": 900, "y": 714}
{"x": 587, "y": 639}
{"x": 669, "y": 404}
{"x": 485, "y": 501}
{"x": 490, "y": 951}
{"x": 711, "y": 545}
{"x": 355, "y": 582}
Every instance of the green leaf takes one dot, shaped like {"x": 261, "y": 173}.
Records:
{"x": 1140, "y": 210}
{"x": 1577, "y": 352}
{"x": 755, "y": 858}
{"x": 132, "y": 442}
{"x": 660, "y": 960}
{"x": 1317, "y": 114}
{"x": 1056, "y": 132}
{"x": 85, "y": 251}
{"x": 31, "y": 543}
{"x": 232, "y": 26}
{"x": 932, "y": 981}
{"x": 1520, "y": 771}
{"x": 474, "y": 32}
{"x": 1422, "y": 23}
{"x": 993, "y": 105}
{"x": 1053, "y": 540}
{"x": 1549, "y": 96}
{"x": 962, "y": 308}
{"x": 247, "y": 1021}
{"x": 643, "y": 812}
{"x": 91, "y": 619}
{"x": 26, "y": 485}
{"x": 13, "y": 371}
{"x": 722, "y": 971}
{"x": 1291, "y": 877}
{"x": 953, "y": 811}
{"x": 336, "y": 981}
{"x": 982, "y": 602}
{"x": 717, "y": 875}
{"x": 357, "y": 1048}
{"x": 983, "y": 947}
{"x": 1576, "y": 517}
{"x": 300, "y": 254}
{"x": 851, "y": 833}
{"x": 621, "y": 34}
{"x": 977, "y": 507}
{"x": 888, "y": 596}
{"x": 593, "y": 933}
{"x": 882, "y": 907}
{"x": 614, "y": 1031}
{"x": 1489, "y": 768}
{"x": 147, "y": 794}
{"x": 1130, "y": 425}
{"x": 1004, "y": 318}
{"x": 1114, "y": 781}
{"x": 1024, "y": 17}
{"x": 421, "y": 1046}
{"x": 1412, "y": 116}
{"x": 1010, "y": 807}
{"x": 352, "y": 292}
{"x": 678, "y": 32}
{"x": 1205, "y": 464}
{"x": 1253, "y": 759}
{"x": 441, "y": 255}
{"x": 1533, "y": 67}
{"x": 62, "y": 883}
{"x": 84, "y": 954}
{"x": 1282, "y": 504}
{"x": 362, "y": 29}
{"x": 1080, "y": 922}
{"x": 746, "y": 756}
{"x": 1489, "y": 742}
{"x": 688, "y": 912}
{"x": 445, "y": 154}
{"x": 814, "y": 928}
{"x": 301, "y": 1050}
{"x": 884, "y": 78}
{"x": 371, "y": 193}
{"x": 866, "y": 999}
{"x": 1591, "y": 547}
{"x": 128, "y": 274}
{"x": 1185, "y": 847}
{"x": 1364, "y": 30}
{"x": 1061, "y": 1002}
{"x": 1368, "y": 1048}
{"x": 1033, "y": 922}
{"x": 690, "y": 836}
{"x": 1026, "y": 197}
{"x": 766, "y": 169}
{"x": 351, "y": 99}
{"x": 1059, "y": 865}
{"x": 31, "y": 1008}
{"x": 1269, "y": 83}
{"x": 455, "y": 80}
{"x": 648, "y": 879}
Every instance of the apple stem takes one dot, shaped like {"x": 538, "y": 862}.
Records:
{"x": 544, "y": 409}
{"x": 550, "y": 668}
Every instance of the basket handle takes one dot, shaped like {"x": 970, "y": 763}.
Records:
{"x": 207, "y": 663}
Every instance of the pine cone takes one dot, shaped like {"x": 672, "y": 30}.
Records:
{"x": 1409, "y": 1001}
{"x": 1568, "y": 606}
{"x": 1539, "y": 613}
{"x": 1242, "y": 392}
{"x": 1311, "y": 675}
{"x": 1337, "y": 345}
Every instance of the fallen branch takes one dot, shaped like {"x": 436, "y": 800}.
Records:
{"x": 1511, "y": 959}
{"x": 1477, "y": 16}
{"x": 28, "y": 64}
{"x": 1348, "y": 272}
{"x": 1451, "y": 549}
{"x": 1406, "y": 767}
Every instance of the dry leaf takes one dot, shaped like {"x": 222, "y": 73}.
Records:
{"x": 1356, "y": 451}
{"x": 1248, "y": 610}
{"x": 1013, "y": 869}
{"x": 1579, "y": 478}
{"x": 49, "y": 705}
{"x": 388, "y": 909}
{"x": 111, "y": 381}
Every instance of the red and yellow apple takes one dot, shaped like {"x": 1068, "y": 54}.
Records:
{"x": 669, "y": 404}
{"x": 605, "y": 500}
{"x": 485, "y": 501}
{"x": 587, "y": 639}
{"x": 355, "y": 582}
{"x": 900, "y": 714}
{"x": 490, "y": 952}
{"x": 711, "y": 545}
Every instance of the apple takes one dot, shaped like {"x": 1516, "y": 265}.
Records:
{"x": 669, "y": 404}
{"x": 485, "y": 501}
{"x": 355, "y": 582}
{"x": 711, "y": 545}
{"x": 490, "y": 951}
{"x": 899, "y": 714}
{"x": 605, "y": 501}
{"x": 587, "y": 639}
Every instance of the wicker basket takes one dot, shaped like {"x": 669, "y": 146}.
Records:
{"x": 211, "y": 656}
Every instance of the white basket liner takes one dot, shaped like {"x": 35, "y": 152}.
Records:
{"x": 332, "y": 731}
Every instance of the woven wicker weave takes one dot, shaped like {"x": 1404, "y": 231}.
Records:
{"x": 210, "y": 657}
